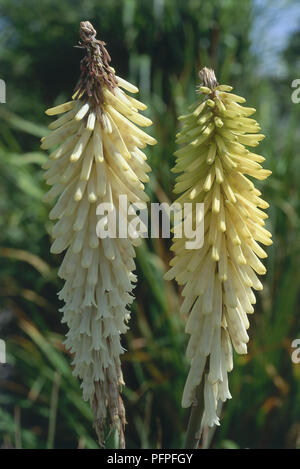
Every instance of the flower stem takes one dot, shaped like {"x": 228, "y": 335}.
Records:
{"x": 193, "y": 434}
{"x": 208, "y": 435}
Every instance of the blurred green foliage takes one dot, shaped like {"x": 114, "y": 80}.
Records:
{"x": 158, "y": 45}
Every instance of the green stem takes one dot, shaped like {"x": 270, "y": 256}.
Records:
{"x": 193, "y": 434}
{"x": 53, "y": 410}
{"x": 208, "y": 436}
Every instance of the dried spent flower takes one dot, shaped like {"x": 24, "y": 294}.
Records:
{"x": 96, "y": 156}
{"x": 218, "y": 279}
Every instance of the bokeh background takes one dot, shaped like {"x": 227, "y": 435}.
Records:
{"x": 159, "y": 45}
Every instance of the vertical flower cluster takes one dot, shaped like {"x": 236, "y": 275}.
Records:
{"x": 218, "y": 279}
{"x": 96, "y": 156}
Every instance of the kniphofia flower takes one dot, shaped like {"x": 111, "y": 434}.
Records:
{"x": 96, "y": 157}
{"x": 218, "y": 280}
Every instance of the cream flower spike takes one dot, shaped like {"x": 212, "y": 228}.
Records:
{"x": 95, "y": 158}
{"x": 218, "y": 279}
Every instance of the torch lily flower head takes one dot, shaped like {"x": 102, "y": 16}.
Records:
{"x": 96, "y": 156}
{"x": 218, "y": 280}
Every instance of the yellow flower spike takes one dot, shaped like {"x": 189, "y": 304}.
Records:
{"x": 218, "y": 278}
{"x": 97, "y": 158}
